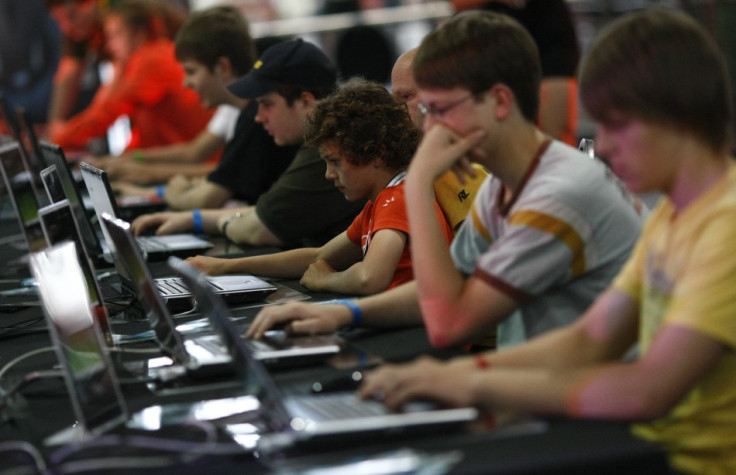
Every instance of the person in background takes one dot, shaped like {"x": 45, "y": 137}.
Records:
{"x": 642, "y": 81}
{"x": 147, "y": 85}
{"x": 454, "y": 196}
{"x": 82, "y": 50}
{"x": 365, "y": 159}
{"x": 547, "y": 231}
{"x": 302, "y": 208}
{"x": 214, "y": 49}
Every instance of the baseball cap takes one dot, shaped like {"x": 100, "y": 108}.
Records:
{"x": 293, "y": 63}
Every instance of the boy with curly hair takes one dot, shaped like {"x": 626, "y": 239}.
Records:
{"x": 366, "y": 139}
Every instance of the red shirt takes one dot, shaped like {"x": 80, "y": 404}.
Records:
{"x": 150, "y": 91}
{"x": 389, "y": 212}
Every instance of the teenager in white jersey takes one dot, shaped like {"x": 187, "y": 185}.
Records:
{"x": 548, "y": 231}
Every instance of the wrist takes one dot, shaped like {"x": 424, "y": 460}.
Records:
{"x": 197, "y": 224}
{"x": 481, "y": 362}
{"x": 223, "y": 225}
{"x": 353, "y": 318}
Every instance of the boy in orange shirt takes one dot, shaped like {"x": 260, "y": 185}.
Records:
{"x": 365, "y": 159}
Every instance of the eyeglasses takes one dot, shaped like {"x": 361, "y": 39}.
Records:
{"x": 439, "y": 112}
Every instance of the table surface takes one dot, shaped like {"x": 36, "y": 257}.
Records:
{"x": 43, "y": 407}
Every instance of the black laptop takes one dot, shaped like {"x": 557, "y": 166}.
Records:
{"x": 21, "y": 193}
{"x": 154, "y": 247}
{"x": 235, "y": 289}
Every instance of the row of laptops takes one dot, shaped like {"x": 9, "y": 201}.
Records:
{"x": 95, "y": 390}
{"x": 59, "y": 184}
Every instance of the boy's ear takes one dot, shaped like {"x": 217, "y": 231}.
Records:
{"x": 307, "y": 99}
{"x": 504, "y": 98}
{"x": 223, "y": 66}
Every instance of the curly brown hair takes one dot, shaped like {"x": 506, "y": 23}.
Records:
{"x": 366, "y": 122}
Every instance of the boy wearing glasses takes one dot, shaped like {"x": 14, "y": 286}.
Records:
{"x": 674, "y": 297}
{"x": 548, "y": 229}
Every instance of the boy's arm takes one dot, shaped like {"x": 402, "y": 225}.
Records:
{"x": 361, "y": 275}
{"x": 572, "y": 371}
{"x": 287, "y": 264}
{"x": 455, "y": 309}
{"x": 250, "y": 230}
{"x": 197, "y": 150}
{"x": 396, "y": 307}
{"x": 182, "y": 194}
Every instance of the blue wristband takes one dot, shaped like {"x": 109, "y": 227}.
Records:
{"x": 198, "y": 227}
{"x": 354, "y": 310}
{"x": 160, "y": 191}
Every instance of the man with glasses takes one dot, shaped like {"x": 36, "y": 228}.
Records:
{"x": 547, "y": 231}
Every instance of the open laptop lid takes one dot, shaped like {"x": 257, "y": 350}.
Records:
{"x": 101, "y": 194}
{"x": 134, "y": 274}
{"x": 59, "y": 225}
{"x": 54, "y": 182}
{"x": 93, "y": 386}
{"x": 22, "y": 197}
{"x": 253, "y": 372}
{"x": 53, "y": 155}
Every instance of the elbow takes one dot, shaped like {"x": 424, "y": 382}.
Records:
{"x": 441, "y": 336}
{"x": 648, "y": 405}
{"x": 371, "y": 285}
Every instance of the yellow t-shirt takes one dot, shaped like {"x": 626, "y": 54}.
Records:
{"x": 683, "y": 272}
{"x": 454, "y": 197}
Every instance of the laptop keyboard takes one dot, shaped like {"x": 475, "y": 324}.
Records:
{"x": 338, "y": 406}
{"x": 149, "y": 244}
{"x": 175, "y": 286}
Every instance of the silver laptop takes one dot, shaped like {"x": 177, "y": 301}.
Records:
{"x": 308, "y": 417}
{"x": 235, "y": 289}
{"x": 60, "y": 183}
{"x": 90, "y": 379}
{"x": 275, "y": 348}
{"x": 59, "y": 225}
{"x": 155, "y": 247}
{"x": 22, "y": 197}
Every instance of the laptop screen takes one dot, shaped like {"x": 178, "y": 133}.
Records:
{"x": 101, "y": 195}
{"x": 91, "y": 381}
{"x": 135, "y": 274}
{"x": 59, "y": 225}
{"x": 22, "y": 197}
{"x": 53, "y": 155}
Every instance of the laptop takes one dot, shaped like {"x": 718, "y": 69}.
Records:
{"x": 22, "y": 197}
{"x": 89, "y": 375}
{"x": 311, "y": 417}
{"x": 276, "y": 348}
{"x": 235, "y": 289}
{"x": 92, "y": 384}
{"x": 154, "y": 247}
{"x": 32, "y": 153}
{"x": 59, "y": 185}
{"x": 60, "y": 225}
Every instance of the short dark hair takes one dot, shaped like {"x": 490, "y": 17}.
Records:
{"x": 366, "y": 122}
{"x": 215, "y": 33}
{"x": 476, "y": 50}
{"x": 661, "y": 66}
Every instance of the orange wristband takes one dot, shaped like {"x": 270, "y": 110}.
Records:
{"x": 481, "y": 362}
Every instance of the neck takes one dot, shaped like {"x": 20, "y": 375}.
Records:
{"x": 514, "y": 155}
{"x": 700, "y": 169}
{"x": 386, "y": 179}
